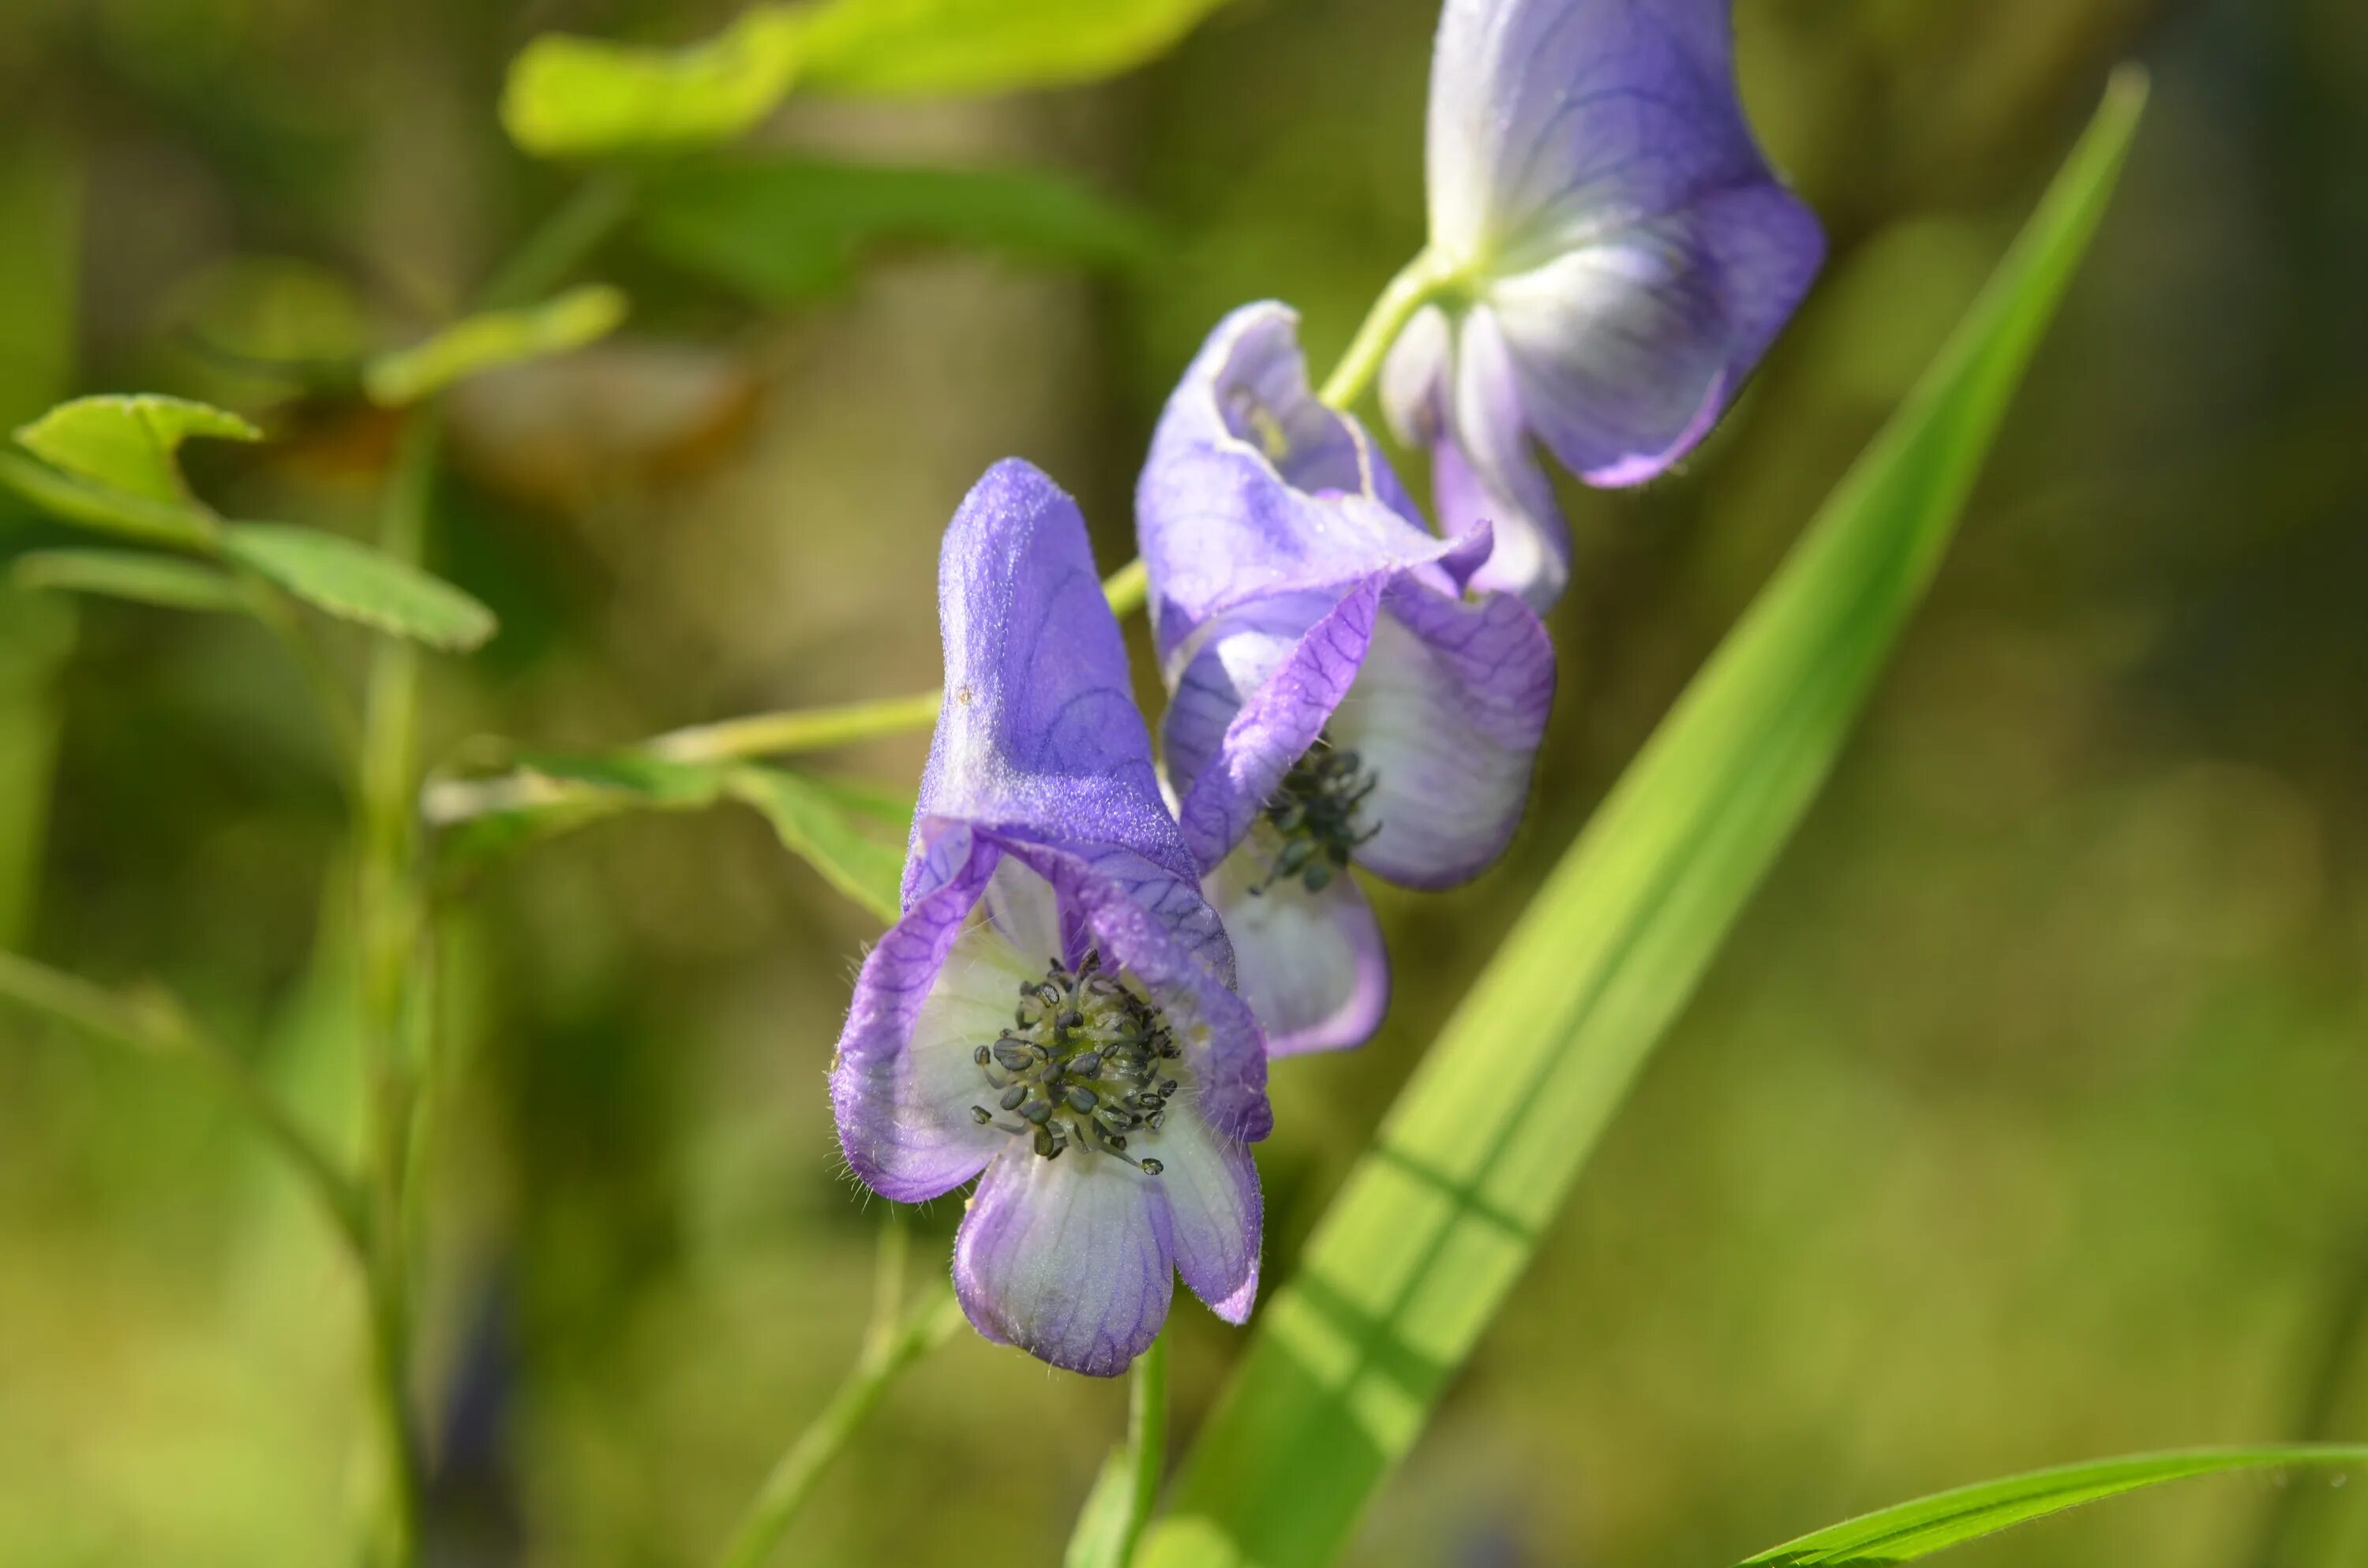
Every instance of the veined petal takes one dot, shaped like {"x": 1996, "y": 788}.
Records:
{"x": 1488, "y": 465}
{"x": 1313, "y": 967}
{"x": 1448, "y": 713}
{"x": 903, "y": 1080}
{"x": 1069, "y": 1259}
{"x": 1039, "y": 734}
{"x": 1211, "y": 1187}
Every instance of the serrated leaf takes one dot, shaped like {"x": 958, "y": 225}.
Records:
{"x": 1949, "y": 1518}
{"x": 163, "y": 579}
{"x": 1436, "y": 1223}
{"x": 944, "y": 46}
{"x": 356, "y": 582}
{"x": 786, "y": 229}
{"x": 577, "y": 97}
{"x": 492, "y": 339}
{"x": 822, "y": 821}
{"x": 110, "y": 462}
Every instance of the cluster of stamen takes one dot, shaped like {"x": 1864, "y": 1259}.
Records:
{"x": 1087, "y": 1061}
{"x": 1315, "y": 810}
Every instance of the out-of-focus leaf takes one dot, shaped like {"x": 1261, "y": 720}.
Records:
{"x": 1437, "y": 1221}
{"x": 937, "y": 47}
{"x": 164, "y": 580}
{"x": 495, "y": 338}
{"x": 822, "y": 821}
{"x": 577, "y": 97}
{"x": 1949, "y": 1518}
{"x": 356, "y": 582}
{"x": 784, "y": 230}
{"x": 549, "y": 793}
{"x": 109, "y": 462}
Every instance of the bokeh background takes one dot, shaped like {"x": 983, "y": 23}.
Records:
{"x": 2025, "y": 1120}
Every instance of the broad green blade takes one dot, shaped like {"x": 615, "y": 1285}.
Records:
{"x": 938, "y": 47}
{"x": 355, "y": 582}
{"x": 166, "y": 581}
{"x": 495, "y": 338}
{"x": 826, "y": 823}
{"x": 579, "y": 97}
{"x": 111, "y": 462}
{"x": 787, "y": 230}
{"x": 1099, "y": 1540}
{"x": 1436, "y": 1223}
{"x": 1949, "y": 1518}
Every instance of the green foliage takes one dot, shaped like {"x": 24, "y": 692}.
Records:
{"x": 492, "y": 339}
{"x": 986, "y": 46}
{"x": 1437, "y": 1221}
{"x": 577, "y": 97}
{"x": 110, "y": 462}
{"x": 823, "y": 822}
{"x": 356, "y": 582}
{"x": 786, "y": 229}
{"x": 162, "y": 580}
{"x": 1949, "y": 1518}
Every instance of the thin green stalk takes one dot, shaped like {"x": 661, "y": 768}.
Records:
{"x": 1146, "y": 1441}
{"x": 158, "y": 1027}
{"x": 800, "y": 730}
{"x": 794, "y": 1478}
{"x": 563, "y": 241}
{"x": 1422, "y": 280}
{"x": 2339, "y": 1356}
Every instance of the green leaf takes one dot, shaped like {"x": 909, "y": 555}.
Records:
{"x": 1436, "y": 1223}
{"x": 943, "y": 47}
{"x": 786, "y": 229}
{"x": 356, "y": 582}
{"x": 495, "y": 338}
{"x": 823, "y": 820}
{"x": 110, "y": 462}
{"x": 164, "y": 580}
{"x": 1100, "y": 1538}
{"x": 578, "y": 97}
{"x": 1948, "y": 1518}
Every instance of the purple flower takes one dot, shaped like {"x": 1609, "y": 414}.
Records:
{"x": 1617, "y": 256}
{"x": 1054, "y": 1007}
{"x": 1337, "y": 697}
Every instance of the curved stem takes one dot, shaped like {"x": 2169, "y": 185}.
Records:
{"x": 565, "y": 239}
{"x": 799, "y": 730}
{"x": 1422, "y": 280}
{"x": 1146, "y": 1441}
{"x": 794, "y": 1478}
{"x": 2339, "y": 1354}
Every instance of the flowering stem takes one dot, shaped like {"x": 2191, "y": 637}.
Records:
{"x": 800, "y": 730}
{"x": 794, "y": 1477}
{"x": 157, "y": 1026}
{"x": 1422, "y": 280}
{"x": 1147, "y": 1439}
{"x": 565, "y": 238}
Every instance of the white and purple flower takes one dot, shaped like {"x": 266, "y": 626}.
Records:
{"x": 1055, "y": 1008}
{"x": 1339, "y": 698}
{"x": 1616, "y": 257}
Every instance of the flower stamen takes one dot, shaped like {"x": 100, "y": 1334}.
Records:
{"x": 1315, "y": 810}
{"x": 1087, "y": 1061}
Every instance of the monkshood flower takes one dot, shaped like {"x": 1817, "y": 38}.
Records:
{"x": 1610, "y": 256}
{"x": 1055, "y": 1006}
{"x": 1339, "y": 697}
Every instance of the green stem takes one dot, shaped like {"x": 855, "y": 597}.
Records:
{"x": 801, "y": 729}
{"x": 158, "y": 1027}
{"x": 794, "y": 1478}
{"x": 2339, "y": 1354}
{"x": 565, "y": 238}
{"x": 1422, "y": 280}
{"x": 1146, "y": 1441}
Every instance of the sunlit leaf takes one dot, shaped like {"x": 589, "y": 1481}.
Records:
{"x": 164, "y": 580}
{"x": 577, "y": 97}
{"x": 823, "y": 822}
{"x": 1948, "y": 1518}
{"x": 1435, "y": 1224}
{"x": 986, "y": 46}
{"x": 356, "y": 582}
{"x": 110, "y": 462}
{"x": 785, "y": 229}
{"x": 486, "y": 342}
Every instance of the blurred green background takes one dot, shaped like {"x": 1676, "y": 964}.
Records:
{"x": 2025, "y": 1120}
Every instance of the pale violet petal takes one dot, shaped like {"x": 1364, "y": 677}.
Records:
{"x": 1312, "y": 964}
{"x": 1070, "y": 1259}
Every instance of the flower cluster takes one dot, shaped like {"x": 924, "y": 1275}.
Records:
{"x": 1096, "y": 959}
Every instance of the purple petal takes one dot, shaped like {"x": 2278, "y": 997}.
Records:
{"x": 1254, "y": 489}
{"x": 903, "y": 1079}
{"x": 1210, "y": 1185}
{"x": 1069, "y": 1259}
{"x": 1448, "y": 713}
{"x": 1313, "y": 967}
{"x": 1039, "y": 734}
{"x": 1489, "y": 465}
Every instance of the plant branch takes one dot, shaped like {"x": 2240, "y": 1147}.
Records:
{"x": 565, "y": 239}
{"x": 1422, "y": 280}
{"x": 155, "y": 1025}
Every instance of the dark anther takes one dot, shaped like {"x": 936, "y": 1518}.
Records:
{"x": 1150, "y": 1167}
{"x": 1014, "y": 1097}
{"x": 1314, "y": 811}
{"x": 1012, "y": 1055}
{"x": 980, "y": 1115}
{"x": 1082, "y": 1099}
{"x": 979, "y": 1056}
